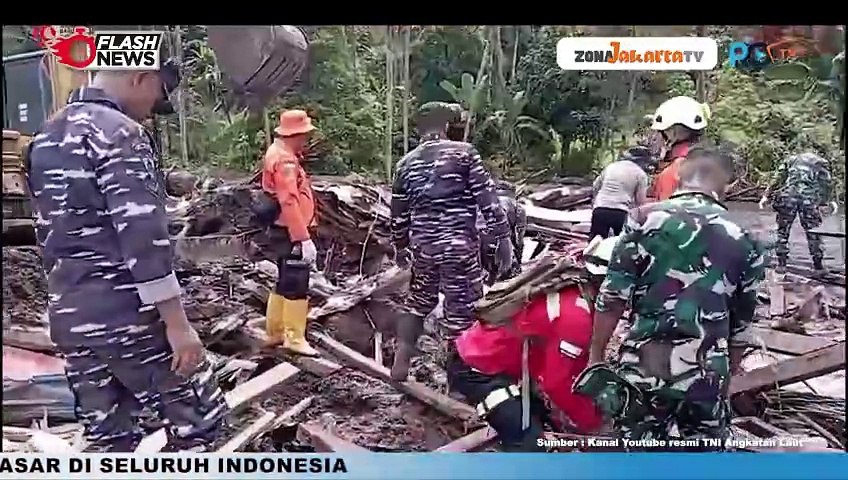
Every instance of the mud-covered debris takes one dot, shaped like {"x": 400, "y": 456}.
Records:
{"x": 24, "y": 287}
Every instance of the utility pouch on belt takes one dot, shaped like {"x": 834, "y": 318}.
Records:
{"x": 265, "y": 208}
{"x": 614, "y": 396}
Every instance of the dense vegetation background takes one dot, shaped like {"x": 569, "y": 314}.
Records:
{"x": 529, "y": 117}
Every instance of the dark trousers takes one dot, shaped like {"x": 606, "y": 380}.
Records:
{"x": 504, "y": 418}
{"x": 292, "y": 272}
{"x": 606, "y": 219}
{"x": 112, "y": 383}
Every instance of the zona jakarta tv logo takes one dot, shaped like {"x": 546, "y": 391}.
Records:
{"x": 103, "y": 50}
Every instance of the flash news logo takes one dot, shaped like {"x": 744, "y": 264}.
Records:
{"x": 103, "y": 50}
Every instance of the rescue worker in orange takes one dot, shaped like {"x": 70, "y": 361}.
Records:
{"x": 682, "y": 122}
{"x": 284, "y": 179}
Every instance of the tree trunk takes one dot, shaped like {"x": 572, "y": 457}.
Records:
{"x": 634, "y": 80}
{"x": 406, "y": 87}
{"x": 478, "y": 82}
{"x": 701, "y": 75}
{"x": 517, "y": 29}
{"x": 178, "y": 46}
{"x": 390, "y": 80}
{"x": 498, "y": 58}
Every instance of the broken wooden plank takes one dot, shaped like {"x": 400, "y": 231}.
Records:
{"x": 292, "y": 413}
{"x": 790, "y": 343}
{"x": 246, "y": 435}
{"x": 45, "y": 442}
{"x": 835, "y": 442}
{"x": 777, "y": 298}
{"x": 324, "y": 441}
{"x": 153, "y": 443}
{"x": 476, "y": 440}
{"x": 758, "y": 427}
{"x": 442, "y": 403}
{"x": 321, "y": 367}
{"x": 814, "y": 364}
{"x": 258, "y": 387}
{"x": 35, "y": 340}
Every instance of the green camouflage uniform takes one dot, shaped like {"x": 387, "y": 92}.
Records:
{"x": 800, "y": 185}
{"x": 690, "y": 275}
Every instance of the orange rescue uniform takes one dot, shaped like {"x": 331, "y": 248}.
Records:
{"x": 667, "y": 181}
{"x": 284, "y": 178}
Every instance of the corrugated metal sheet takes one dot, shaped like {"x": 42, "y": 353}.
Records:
{"x": 27, "y": 95}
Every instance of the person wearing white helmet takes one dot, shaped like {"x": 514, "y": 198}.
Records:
{"x": 682, "y": 122}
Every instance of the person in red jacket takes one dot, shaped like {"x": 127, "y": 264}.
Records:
{"x": 487, "y": 368}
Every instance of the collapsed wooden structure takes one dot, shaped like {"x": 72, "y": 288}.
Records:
{"x": 225, "y": 301}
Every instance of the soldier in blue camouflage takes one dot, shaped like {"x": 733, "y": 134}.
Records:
{"x": 439, "y": 187}
{"x": 516, "y": 219}
{"x": 690, "y": 276}
{"x": 114, "y": 300}
{"x": 801, "y": 184}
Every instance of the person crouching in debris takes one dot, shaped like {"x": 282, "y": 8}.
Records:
{"x": 437, "y": 191}
{"x": 114, "y": 301}
{"x": 516, "y": 219}
{"x": 690, "y": 276}
{"x": 621, "y": 186}
{"x": 558, "y": 326}
{"x": 292, "y": 214}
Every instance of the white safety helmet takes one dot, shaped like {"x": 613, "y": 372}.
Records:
{"x": 597, "y": 254}
{"x": 681, "y": 110}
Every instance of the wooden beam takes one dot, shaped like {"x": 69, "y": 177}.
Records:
{"x": 790, "y": 343}
{"x": 476, "y": 440}
{"x": 777, "y": 298}
{"x": 321, "y": 367}
{"x": 153, "y": 443}
{"x": 245, "y": 436}
{"x": 442, "y": 403}
{"x": 814, "y": 364}
{"x": 324, "y": 441}
{"x": 260, "y": 386}
{"x": 292, "y": 413}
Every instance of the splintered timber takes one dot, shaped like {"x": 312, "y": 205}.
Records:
{"x": 175, "y": 465}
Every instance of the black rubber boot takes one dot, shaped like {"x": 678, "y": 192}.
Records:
{"x": 506, "y": 420}
{"x": 817, "y": 265}
{"x": 781, "y": 265}
{"x": 409, "y": 328}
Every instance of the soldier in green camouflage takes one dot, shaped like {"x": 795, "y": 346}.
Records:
{"x": 690, "y": 277}
{"x": 800, "y": 185}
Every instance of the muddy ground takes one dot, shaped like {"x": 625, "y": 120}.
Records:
{"x": 354, "y": 406}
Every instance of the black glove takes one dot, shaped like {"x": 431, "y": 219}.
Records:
{"x": 401, "y": 256}
{"x": 503, "y": 256}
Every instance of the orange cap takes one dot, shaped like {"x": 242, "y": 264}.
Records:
{"x": 294, "y": 122}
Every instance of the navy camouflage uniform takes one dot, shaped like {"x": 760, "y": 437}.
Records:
{"x": 800, "y": 185}
{"x": 98, "y": 196}
{"x": 439, "y": 187}
{"x": 516, "y": 219}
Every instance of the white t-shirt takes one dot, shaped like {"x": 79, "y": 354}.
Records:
{"x": 619, "y": 185}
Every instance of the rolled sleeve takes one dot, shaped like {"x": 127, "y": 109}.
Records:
{"x": 622, "y": 273}
{"x": 126, "y": 177}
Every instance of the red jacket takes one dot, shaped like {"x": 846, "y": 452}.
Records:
{"x": 560, "y": 327}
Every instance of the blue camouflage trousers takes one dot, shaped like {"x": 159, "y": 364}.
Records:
{"x": 451, "y": 267}
{"x": 113, "y": 383}
{"x": 787, "y": 208}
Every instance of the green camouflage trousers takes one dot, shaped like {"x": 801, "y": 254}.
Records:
{"x": 664, "y": 390}
{"x": 787, "y": 208}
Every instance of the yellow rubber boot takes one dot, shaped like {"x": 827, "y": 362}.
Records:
{"x": 295, "y": 320}
{"x": 275, "y": 326}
